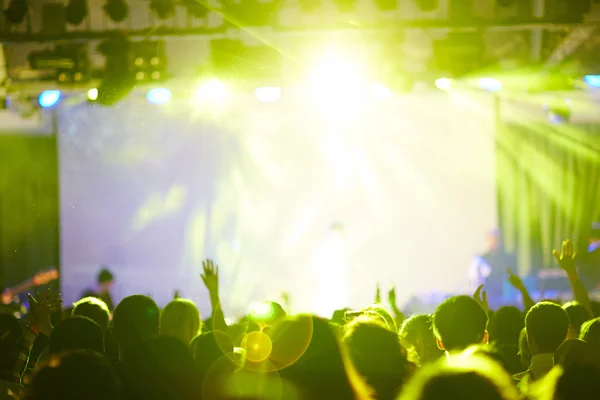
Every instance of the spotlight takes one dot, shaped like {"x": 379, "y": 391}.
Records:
{"x": 164, "y": 9}
{"x": 159, "y": 96}
{"x": 336, "y": 84}
{"x": 427, "y": 5}
{"x": 92, "y": 94}
{"x": 16, "y": 11}
{"x": 148, "y": 60}
{"x": 49, "y": 98}
{"x": 445, "y": 83}
{"x": 212, "y": 91}
{"x": 592, "y": 80}
{"x": 490, "y": 84}
{"x": 76, "y": 11}
{"x": 117, "y": 10}
{"x": 268, "y": 94}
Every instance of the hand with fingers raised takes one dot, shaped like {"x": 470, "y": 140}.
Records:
{"x": 480, "y": 297}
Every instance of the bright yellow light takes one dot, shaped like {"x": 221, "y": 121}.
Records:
{"x": 213, "y": 92}
{"x": 92, "y": 94}
{"x": 444, "y": 83}
{"x": 336, "y": 83}
{"x": 381, "y": 91}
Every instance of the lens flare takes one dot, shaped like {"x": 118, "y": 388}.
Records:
{"x": 336, "y": 84}
{"x": 445, "y": 83}
{"x": 268, "y": 94}
{"x": 212, "y": 91}
{"x": 49, "y": 98}
{"x": 159, "y": 96}
{"x": 92, "y": 94}
{"x": 592, "y": 80}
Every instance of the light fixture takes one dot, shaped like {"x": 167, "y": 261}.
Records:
{"x": 268, "y": 94}
{"x": 76, "y": 11}
{"x": 592, "y": 80}
{"x": 49, "y": 98}
{"x": 16, "y": 11}
{"x": 117, "y": 10}
{"x": 92, "y": 94}
{"x": 164, "y": 9}
{"x": 148, "y": 60}
{"x": 490, "y": 84}
{"x": 212, "y": 91}
{"x": 159, "y": 96}
{"x": 445, "y": 83}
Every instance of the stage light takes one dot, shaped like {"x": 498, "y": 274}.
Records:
{"x": 427, "y": 5}
{"x": 592, "y": 80}
{"x": 49, "y": 98}
{"x": 445, "y": 83}
{"x": 381, "y": 91}
{"x": 76, "y": 11}
{"x": 117, "y": 10}
{"x": 268, "y": 94}
{"x": 148, "y": 60}
{"x": 159, "y": 96}
{"x": 164, "y": 9}
{"x": 490, "y": 84}
{"x": 92, "y": 94}
{"x": 212, "y": 91}
{"x": 16, "y": 11}
{"x": 336, "y": 83}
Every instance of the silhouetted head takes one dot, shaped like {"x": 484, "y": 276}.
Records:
{"x": 94, "y": 309}
{"x": 76, "y": 333}
{"x": 577, "y": 315}
{"x": 460, "y": 322}
{"x": 75, "y": 375}
{"x": 417, "y": 331}
{"x": 379, "y": 356}
{"x": 105, "y": 280}
{"x": 180, "y": 319}
{"x": 135, "y": 318}
{"x": 590, "y": 332}
{"x": 506, "y": 325}
{"x": 547, "y": 326}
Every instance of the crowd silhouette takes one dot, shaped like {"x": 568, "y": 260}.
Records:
{"x": 464, "y": 350}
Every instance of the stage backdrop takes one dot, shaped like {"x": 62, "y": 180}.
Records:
{"x": 284, "y": 196}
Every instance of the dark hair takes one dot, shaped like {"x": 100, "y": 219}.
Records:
{"x": 95, "y": 309}
{"x": 105, "y": 276}
{"x": 135, "y": 318}
{"x": 462, "y": 377}
{"x": 159, "y": 368}
{"x": 506, "y": 325}
{"x": 547, "y": 326}
{"x": 459, "y": 322}
{"x": 76, "y": 333}
{"x": 75, "y": 375}
{"x": 418, "y": 332}
{"x": 590, "y": 332}
{"x": 577, "y": 313}
{"x": 378, "y": 356}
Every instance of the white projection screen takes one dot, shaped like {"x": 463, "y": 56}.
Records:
{"x": 285, "y": 197}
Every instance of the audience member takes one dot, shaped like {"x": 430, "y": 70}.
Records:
{"x": 180, "y": 319}
{"x": 577, "y": 316}
{"x": 76, "y": 375}
{"x": 94, "y": 309}
{"x": 76, "y": 333}
{"x": 590, "y": 332}
{"x": 136, "y": 318}
{"x": 379, "y": 356}
{"x": 417, "y": 331}
{"x": 524, "y": 353}
{"x": 459, "y": 322}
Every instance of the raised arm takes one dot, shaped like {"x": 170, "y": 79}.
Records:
{"x": 518, "y": 284}
{"x": 398, "y": 314}
{"x": 210, "y": 277}
{"x": 566, "y": 261}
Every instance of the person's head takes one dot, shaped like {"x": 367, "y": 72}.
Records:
{"x": 547, "y": 327}
{"x": 378, "y": 355}
{"x": 159, "y": 368}
{"x": 78, "y": 374}
{"x": 135, "y": 318}
{"x": 493, "y": 353}
{"x": 180, "y": 319}
{"x": 76, "y": 333}
{"x": 494, "y": 240}
{"x": 590, "y": 332}
{"x": 506, "y": 325}
{"x": 11, "y": 330}
{"x": 464, "y": 377}
{"x": 459, "y": 322}
{"x": 105, "y": 280}
{"x": 577, "y": 315}
{"x": 417, "y": 331}
{"x": 94, "y": 309}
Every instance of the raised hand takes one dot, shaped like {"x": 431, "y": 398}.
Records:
{"x": 515, "y": 280}
{"x": 378, "y": 295}
{"x": 480, "y": 297}
{"x": 210, "y": 277}
{"x": 42, "y": 306}
{"x": 566, "y": 257}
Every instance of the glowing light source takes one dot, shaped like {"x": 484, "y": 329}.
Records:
{"x": 212, "y": 91}
{"x": 159, "y": 96}
{"x": 490, "y": 84}
{"x": 268, "y": 94}
{"x": 49, "y": 98}
{"x": 381, "y": 91}
{"x": 444, "y": 83}
{"x": 592, "y": 80}
{"x": 336, "y": 83}
{"x": 92, "y": 94}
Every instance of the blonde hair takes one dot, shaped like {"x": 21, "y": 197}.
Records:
{"x": 180, "y": 319}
